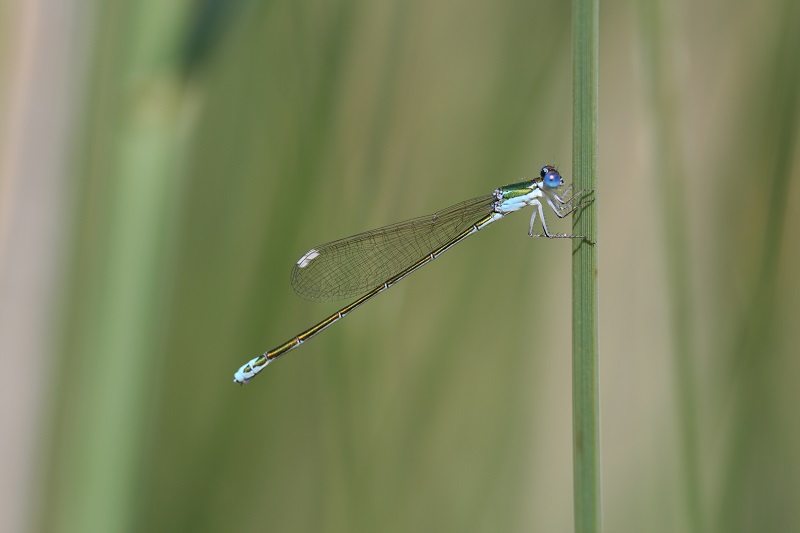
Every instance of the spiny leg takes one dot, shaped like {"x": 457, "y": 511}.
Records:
{"x": 537, "y": 208}
{"x": 571, "y": 198}
{"x": 563, "y": 210}
{"x": 557, "y": 211}
{"x": 533, "y": 217}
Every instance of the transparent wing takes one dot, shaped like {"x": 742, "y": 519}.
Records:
{"x": 352, "y": 266}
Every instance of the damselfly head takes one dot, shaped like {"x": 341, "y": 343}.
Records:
{"x": 550, "y": 177}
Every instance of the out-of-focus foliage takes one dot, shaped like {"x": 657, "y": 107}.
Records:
{"x": 209, "y": 144}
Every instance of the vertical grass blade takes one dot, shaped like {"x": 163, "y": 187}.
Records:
{"x": 585, "y": 406}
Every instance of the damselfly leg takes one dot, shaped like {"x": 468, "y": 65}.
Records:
{"x": 562, "y": 208}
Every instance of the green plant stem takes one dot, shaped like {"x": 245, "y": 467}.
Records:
{"x": 585, "y": 403}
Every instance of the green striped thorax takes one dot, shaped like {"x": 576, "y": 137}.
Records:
{"x": 510, "y": 198}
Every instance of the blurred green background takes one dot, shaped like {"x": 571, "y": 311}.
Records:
{"x": 163, "y": 164}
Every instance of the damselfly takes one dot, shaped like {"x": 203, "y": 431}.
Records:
{"x": 375, "y": 260}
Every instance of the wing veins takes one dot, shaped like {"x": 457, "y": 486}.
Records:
{"x": 351, "y": 266}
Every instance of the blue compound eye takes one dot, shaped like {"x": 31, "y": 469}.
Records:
{"x": 552, "y": 179}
